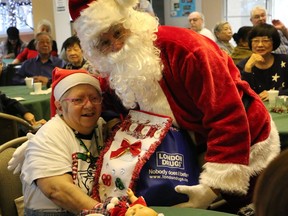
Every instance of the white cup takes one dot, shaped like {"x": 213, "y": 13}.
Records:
{"x": 37, "y": 87}
{"x": 29, "y": 82}
{"x": 272, "y": 95}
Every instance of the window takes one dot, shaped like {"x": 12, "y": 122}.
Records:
{"x": 16, "y": 13}
{"x": 237, "y": 12}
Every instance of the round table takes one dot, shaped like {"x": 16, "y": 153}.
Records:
{"x": 39, "y": 105}
{"x": 172, "y": 211}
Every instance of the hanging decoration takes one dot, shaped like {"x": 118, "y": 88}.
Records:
{"x": 16, "y": 13}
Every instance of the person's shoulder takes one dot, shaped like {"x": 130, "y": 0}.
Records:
{"x": 57, "y": 59}
{"x": 280, "y": 56}
{"x": 241, "y": 64}
{"x": 29, "y": 61}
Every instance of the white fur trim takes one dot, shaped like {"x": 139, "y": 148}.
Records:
{"x": 235, "y": 177}
{"x": 73, "y": 80}
{"x": 127, "y": 3}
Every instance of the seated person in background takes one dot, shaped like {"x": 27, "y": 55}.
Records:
{"x": 30, "y": 51}
{"x": 13, "y": 45}
{"x": 197, "y": 24}
{"x": 265, "y": 70}
{"x": 242, "y": 50}
{"x": 270, "y": 197}
{"x": 73, "y": 54}
{"x": 13, "y": 107}
{"x": 223, "y": 34}
{"x": 258, "y": 15}
{"x": 40, "y": 67}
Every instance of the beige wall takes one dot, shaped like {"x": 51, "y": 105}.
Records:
{"x": 43, "y": 10}
{"x": 213, "y": 11}
{"x": 60, "y": 19}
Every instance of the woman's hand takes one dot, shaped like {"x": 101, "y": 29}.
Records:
{"x": 44, "y": 80}
{"x": 254, "y": 58}
{"x": 31, "y": 119}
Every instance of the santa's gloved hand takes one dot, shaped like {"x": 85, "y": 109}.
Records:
{"x": 200, "y": 196}
{"x": 18, "y": 157}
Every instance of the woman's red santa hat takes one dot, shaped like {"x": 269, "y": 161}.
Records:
{"x": 64, "y": 79}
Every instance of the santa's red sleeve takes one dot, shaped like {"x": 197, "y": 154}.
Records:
{"x": 205, "y": 93}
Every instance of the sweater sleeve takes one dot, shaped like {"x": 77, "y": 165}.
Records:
{"x": 12, "y": 106}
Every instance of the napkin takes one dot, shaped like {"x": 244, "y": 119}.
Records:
{"x": 47, "y": 91}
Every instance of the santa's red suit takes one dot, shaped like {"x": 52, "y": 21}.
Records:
{"x": 201, "y": 89}
{"x": 207, "y": 96}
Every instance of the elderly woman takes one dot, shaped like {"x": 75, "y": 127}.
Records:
{"x": 58, "y": 171}
{"x": 73, "y": 54}
{"x": 223, "y": 34}
{"x": 265, "y": 70}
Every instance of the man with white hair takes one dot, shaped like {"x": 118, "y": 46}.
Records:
{"x": 174, "y": 72}
{"x": 197, "y": 24}
{"x": 258, "y": 15}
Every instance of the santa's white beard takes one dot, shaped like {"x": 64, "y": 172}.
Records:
{"x": 133, "y": 72}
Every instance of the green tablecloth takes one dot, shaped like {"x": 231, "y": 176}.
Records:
{"x": 172, "y": 211}
{"x": 7, "y": 61}
{"x": 39, "y": 105}
{"x": 281, "y": 122}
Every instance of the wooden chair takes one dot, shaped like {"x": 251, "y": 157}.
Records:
{"x": 10, "y": 184}
{"x": 9, "y": 127}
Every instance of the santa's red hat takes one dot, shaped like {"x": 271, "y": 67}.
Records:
{"x": 64, "y": 79}
{"x": 78, "y": 6}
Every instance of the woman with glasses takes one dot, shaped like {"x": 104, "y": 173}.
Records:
{"x": 265, "y": 70}
{"x": 58, "y": 171}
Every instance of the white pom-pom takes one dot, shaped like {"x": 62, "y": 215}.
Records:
{"x": 110, "y": 206}
{"x": 127, "y": 3}
{"x": 114, "y": 200}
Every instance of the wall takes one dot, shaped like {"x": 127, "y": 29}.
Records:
{"x": 56, "y": 11}
{"x": 212, "y": 9}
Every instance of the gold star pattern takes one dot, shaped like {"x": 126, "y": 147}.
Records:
{"x": 283, "y": 64}
{"x": 275, "y": 77}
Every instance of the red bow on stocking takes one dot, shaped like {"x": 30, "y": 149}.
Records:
{"x": 134, "y": 148}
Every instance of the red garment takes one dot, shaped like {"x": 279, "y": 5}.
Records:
{"x": 28, "y": 54}
{"x": 122, "y": 207}
{"x": 31, "y": 52}
{"x": 197, "y": 78}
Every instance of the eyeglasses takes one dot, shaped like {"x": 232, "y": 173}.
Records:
{"x": 82, "y": 101}
{"x": 265, "y": 42}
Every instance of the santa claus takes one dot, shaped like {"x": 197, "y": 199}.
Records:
{"x": 178, "y": 73}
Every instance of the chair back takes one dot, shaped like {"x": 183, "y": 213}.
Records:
{"x": 9, "y": 127}
{"x": 8, "y": 73}
{"x": 10, "y": 184}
